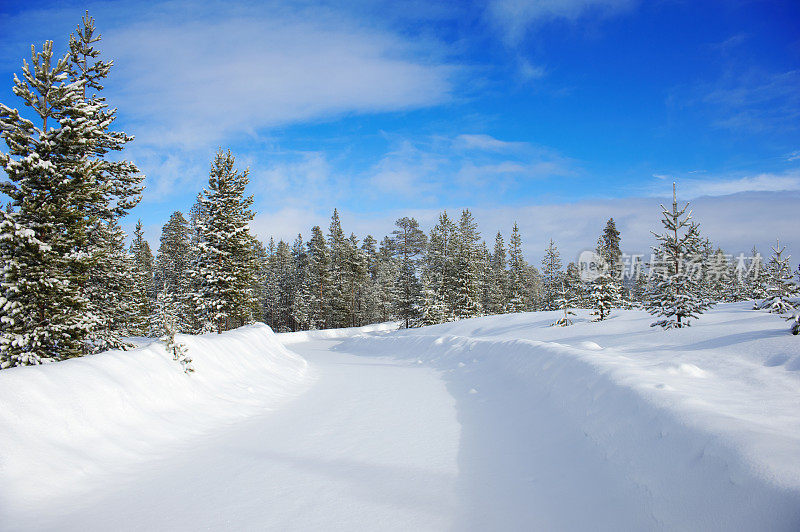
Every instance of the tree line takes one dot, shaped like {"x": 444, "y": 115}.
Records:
{"x": 69, "y": 286}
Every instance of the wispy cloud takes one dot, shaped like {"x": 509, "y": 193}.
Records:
{"x": 752, "y": 101}
{"x": 464, "y": 167}
{"x": 190, "y": 75}
{"x": 691, "y": 187}
{"x": 191, "y": 81}
{"x": 513, "y": 17}
{"x": 486, "y": 142}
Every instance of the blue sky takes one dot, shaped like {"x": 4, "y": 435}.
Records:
{"x": 557, "y": 114}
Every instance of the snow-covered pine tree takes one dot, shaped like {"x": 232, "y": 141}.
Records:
{"x": 356, "y": 276}
{"x": 433, "y": 309}
{"x": 640, "y": 278}
{"x": 117, "y": 182}
{"x": 781, "y": 288}
{"x": 370, "y": 292}
{"x": 172, "y": 267}
{"x": 198, "y": 320}
{"x": 300, "y": 307}
{"x": 439, "y": 264}
{"x": 45, "y": 313}
{"x": 676, "y": 296}
{"x": 516, "y": 272}
{"x": 574, "y": 285}
{"x": 115, "y": 187}
{"x": 258, "y": 266}
{"x": 483, "y": 266}
{"x": 552, "y": 277}
{"x": 270, "y": 288}
{"x": 319, "y": 284}
{"x": 610, "y": 249}
{"x": 754, "y": 276}
{"x": 409, "y": 242}
{"x": 172, "y": 259}
{"x": 604, "y": 289}
{"x": 717, "y": 275}
{"x": 143, "y": 284}
{"x": 467, "y": 302}
{"x": 282, "y": 274}
{"x": 565, "y": 301}
{"x": 109, "y": 288}
{"x": 532, "y": 288}
{"x": 225, "y": 268}
{"x": 338, "y": 294}
{"x": 386, "y": 277}
{"x": 498, "y": 279}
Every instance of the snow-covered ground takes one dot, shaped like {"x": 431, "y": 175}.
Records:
{"x": 75, "y": 431}
{"x": 496, "y": 423}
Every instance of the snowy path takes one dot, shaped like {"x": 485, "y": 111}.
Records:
{"x": 372, "y": 445}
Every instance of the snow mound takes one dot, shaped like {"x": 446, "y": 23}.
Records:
{"x": 592, "y": 346}
{"x": 65, "y": 427}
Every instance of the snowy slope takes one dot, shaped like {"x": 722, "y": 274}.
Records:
{"x": 616, "y": 425}
{"x": 73, "y": 429}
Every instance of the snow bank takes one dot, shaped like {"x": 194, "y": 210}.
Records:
{"x": 332, "y": 334}
{"x": 65, "y": 427}
{"x": 616, "y": 425}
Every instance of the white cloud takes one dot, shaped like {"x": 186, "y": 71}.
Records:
{"x": 486, "y": 142}
{"x": 463, "y": 168}
{"x": 766, "y": 182}
{"x": 191, "y": 82}
{"x": 514, "y": 17}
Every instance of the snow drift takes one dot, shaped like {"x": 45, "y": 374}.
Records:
{"x": 617, "y": 426}
{"x": 67, "y": 426}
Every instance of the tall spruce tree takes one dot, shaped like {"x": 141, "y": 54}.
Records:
{"x": 552, "y": 276}
{"x": 604, "y": 289}
{"x": 115, "y": 185}
{"x": 516, "y": 274}
{"x": 439, "y": 263}
{"x": 676, "y": 296}
{"x": 386, "y": 278}
{"x": 467, "y": 269}
{"x": 610, "y": 249}
{"x": 109, "y": 288}
{"x": 143, "y": 311}
{"x": 498, "y": 280}
{"x": 225, "y": 267}
{"x": 172, "y": 271}
{"x": 338, "y": 296}
{"x": 409, "y": 242}
{"x": 319, "y": 283}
